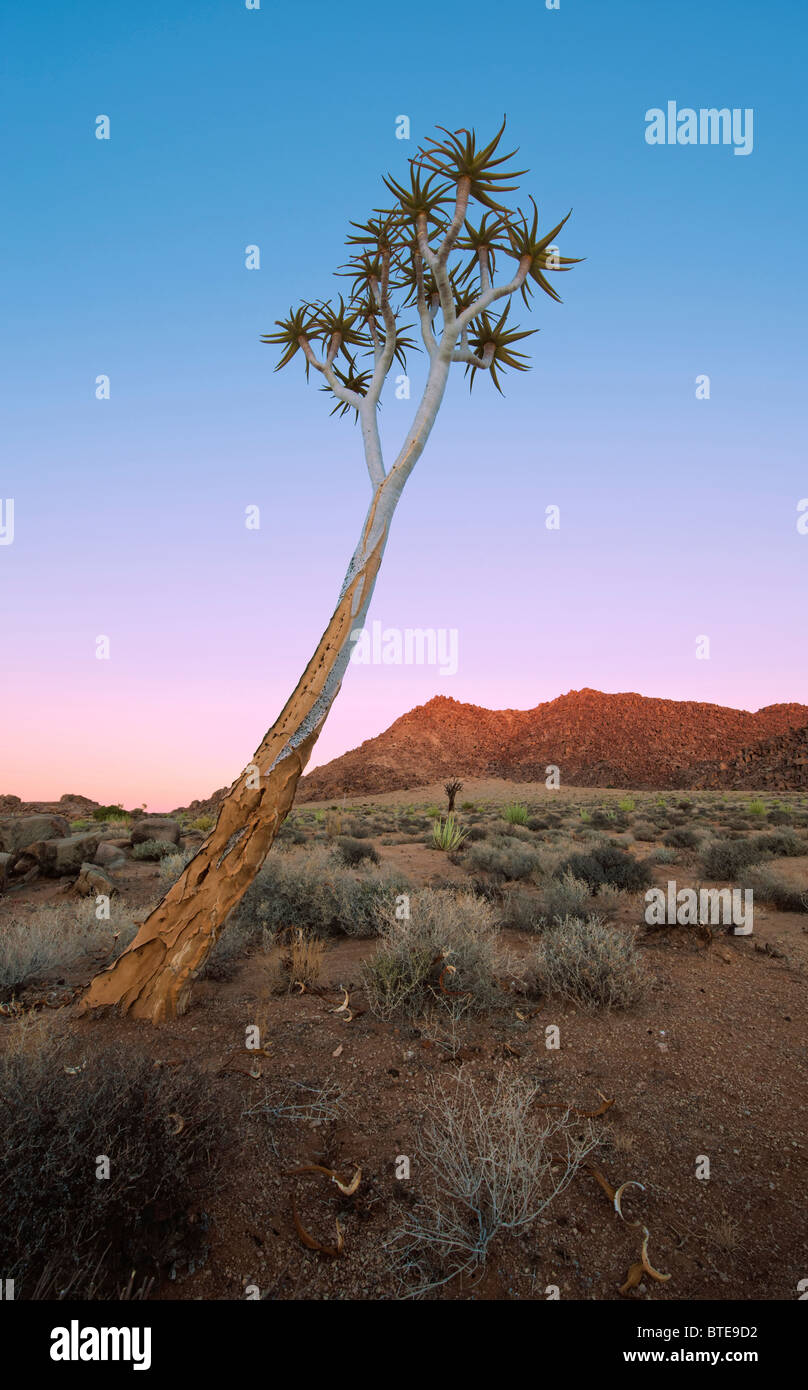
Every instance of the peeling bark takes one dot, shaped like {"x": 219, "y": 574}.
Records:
{"x": 153, "y": 977}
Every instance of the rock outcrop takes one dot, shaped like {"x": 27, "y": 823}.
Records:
{"x": 595, "y": 740}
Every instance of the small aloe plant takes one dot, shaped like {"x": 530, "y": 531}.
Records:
{"x": 447, "y": 834}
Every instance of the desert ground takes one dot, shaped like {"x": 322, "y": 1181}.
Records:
{"x": 471, "y": 1014}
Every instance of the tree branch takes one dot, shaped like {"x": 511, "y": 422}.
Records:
{"x": 453, "y": 231}
{"x": 326, "y": 369}
{"x": 385, "y": 359}
{"x": 372, "y": 443}
{"x": 493, "y": 293}
{"x": 465, "y": 354}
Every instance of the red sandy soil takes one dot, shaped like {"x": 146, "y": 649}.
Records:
{"x": 713, "y": 1062}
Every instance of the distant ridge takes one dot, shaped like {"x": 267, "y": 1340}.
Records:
{"x": 595, "y": 739}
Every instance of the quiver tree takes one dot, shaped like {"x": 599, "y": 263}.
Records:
{"x": 451, "y": 789}
{"x": 426, "y": 252}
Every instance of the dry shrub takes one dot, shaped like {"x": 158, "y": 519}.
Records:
{"x": 354, "y": 851}
{"x": 487, "y": 1166}
{"x": 66, "y": 1229}
{"x": 445, "y": 928}
{"x": 315, "y": 890}
{"x": 563, "y": 897}
{"x": 773, "y": 888}
{"x": 48, "y": 940}
{"x": 594, "y": 966}
{"x": 154, "y": 850}
{"x": 172, "y": 865}
{"x": 503, "y": 859}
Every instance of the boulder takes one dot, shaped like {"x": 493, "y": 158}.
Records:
{"x": 5, "y": 866}
{"x": 156, "y": 828}
{"x": 18, "y": 832}
{"x": 109, "y": 855}
{"x": 65, "y": 856}
{"x": 92, "y": 881}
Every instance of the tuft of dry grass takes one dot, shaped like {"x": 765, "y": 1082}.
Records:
{"x": 725, "y": 1233}
{"x": 300, "y": 958}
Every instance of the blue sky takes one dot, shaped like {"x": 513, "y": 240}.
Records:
{"x": 232, "y": 127}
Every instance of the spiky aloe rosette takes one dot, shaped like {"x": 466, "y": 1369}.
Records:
{"x": 426, "y": 252}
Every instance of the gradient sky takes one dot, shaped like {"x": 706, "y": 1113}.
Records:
{"x": 232, "y": 127}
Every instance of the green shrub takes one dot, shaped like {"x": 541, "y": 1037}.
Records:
{"x": 644, "y": 831}
{"x": 592, "y": 965}
{"x": 627, "y": 803}
{"x": 202, "y": 823}
{"x": 515, "y": 813}
{"x": 757, "y": 807}
{"x": 153, "y": 849}
{"x": 102, "y": 813}
{"x": 606, "y": 863}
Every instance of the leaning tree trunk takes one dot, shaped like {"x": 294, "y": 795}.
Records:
{"x": 152, "y": 978}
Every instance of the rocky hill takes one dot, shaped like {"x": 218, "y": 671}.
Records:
{"x": 596, "y": 740}
{"x": 779, "y": 764}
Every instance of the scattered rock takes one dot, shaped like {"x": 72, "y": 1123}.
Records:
{"x": 18, "y": 832}
{"x": 156, "y": 828}
{"x": 109, "y": 854}
{"x": 92, "y": 881}
{"x": 55, "y": 858}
